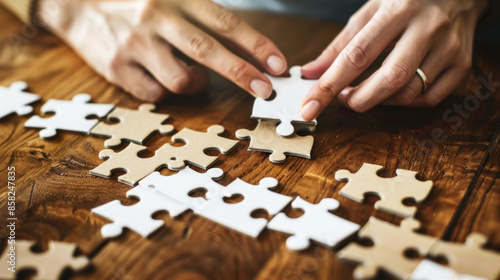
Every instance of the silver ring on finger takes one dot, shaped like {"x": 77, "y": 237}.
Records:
{"x": 423, "y": 77}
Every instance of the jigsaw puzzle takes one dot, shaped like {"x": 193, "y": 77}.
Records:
{"x": 48, "y": 265}
{"x": 134, "y": 125}
{"x": 470, "y": 258}
{"x": 14, "y": 99}
{"x": 166, "y": 156}
{"x": 236, "y": 216}
{"x": 315, "y": 224}
{"x": 392, "y": 191}
{"x": 137, "y": 217}
{"x": 290, "y": 91}
{"x": 264, "y": 139}
{"x": 390, "y": 243}
{"x": 429, "y": 270}
{"x": 70, "y": 115}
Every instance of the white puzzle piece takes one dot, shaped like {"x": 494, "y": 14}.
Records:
{"x": 237, "y": 216}
{"x": 13, "y": 99}
{"x": 290, "y": 91}
{"x": 179, "y": 185}
{"x": 137, "y": 217}
{"x": 429, "y": 270}
{"x": 315, "y": 224}
{"x": 70, "y": 116}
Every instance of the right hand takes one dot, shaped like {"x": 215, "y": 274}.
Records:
{"x": 132, "y": 43}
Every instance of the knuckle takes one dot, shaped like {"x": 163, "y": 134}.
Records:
{"x": 237, "y": 70}
{"x": 438, "y": 18}
{"x": 326, "y": 90}
{"x": 356, "y": 56}
{"x": 131, "y": 41}
{"x": 396, "y": 76}
{"x": 226, "y": 21}
{"x": 179, "y": 84}
{"x": 407, "y": 97}
{"x": 201, "y": 46}
{"x": 356, "y": 105}
{"x": 259, "y": 46}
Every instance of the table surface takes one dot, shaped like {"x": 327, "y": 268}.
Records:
{"x": 460, "y": 153}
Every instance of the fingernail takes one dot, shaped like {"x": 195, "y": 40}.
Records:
{"x": 261, "y": 88}
{"x": 345, "y": 92}
{"x": 276, "y": 64}
{"x": 310, "y": 110}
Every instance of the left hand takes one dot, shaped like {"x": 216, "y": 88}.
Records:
{"x": 433, "y": 35}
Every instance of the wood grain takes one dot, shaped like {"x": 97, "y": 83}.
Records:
{"x": 55, "y": 191}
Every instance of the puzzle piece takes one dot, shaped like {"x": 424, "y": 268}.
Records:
{"x": 13, "y": 99}
{"x": 179, "y": 185}
{"x": 264, "y": 139}
{"x": 48, "y": 265}
{"x": 429, "y": 270}
{"x": 70, "y": 115}
{"x": 290, "y": 92}
{"x": 470, "y": 258}
{"x": 315, "y": 224}
{"x": 237, "y": 216}
{"x": 135, "y": 125}
{"x": 137, "y": 217}
{"x": 172, "y": 157}
{"x": 392, "y": 191}
{"x": 389, "y": 245}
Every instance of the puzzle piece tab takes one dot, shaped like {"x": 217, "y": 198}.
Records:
{"x": 134, "y": 125}
{"x": 69, "y": 115}
{"x": 429, "y": 270}
{"x": 137, "y": 217}
{"x": 166, "y": 156}
{"x": 14, "y": 99}
{"x": 48, "y": 265}
{"x": 290, "y": 92}
{"x": 392, "y": 191}
{"x": 470, "y": 258}
{"x": 315, "y": 224}
{"x": 388, "y": 251}
{"x": 264, "y": 139}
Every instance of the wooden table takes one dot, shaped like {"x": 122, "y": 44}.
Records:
{"x": 55, "y": 192}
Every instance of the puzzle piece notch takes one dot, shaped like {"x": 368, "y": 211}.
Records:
{"x": 237, "y": 216}
{"x": 392, "y": 191}
{"x": 48, "y": 265}
{"x": 14, "y": 99}
{"x": 264, "y": 139}
{"x": 485, "y": 263}
{"x": 290, "y": 91}
{"x": 166, "y": 156}
{"x": 389, "y": 245}
{"x": 134, "y": 125}
{"x": 137, "y": 217}
{"x": 315, "y": 224}
{"x": 429, "y": 270}
{"x": 69, "y": 115}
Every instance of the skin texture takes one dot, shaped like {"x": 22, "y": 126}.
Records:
{"x": 156, "y": 48}
{"x": 433, "y": 35}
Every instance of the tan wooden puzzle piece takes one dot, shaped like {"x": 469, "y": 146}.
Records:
{"x": 392, "y": 191}
{"x": 264, "y": 139}
{"x": 469, "y": 258}
{"x": 48, "y": 265}
{"x": 134, "y": 125}
{"x": 167, "y": 156}
{"x": 389, "y": 245}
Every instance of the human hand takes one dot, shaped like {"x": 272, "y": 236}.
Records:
{"x": 132, "y": 44}
{"x": 433, "y": 35}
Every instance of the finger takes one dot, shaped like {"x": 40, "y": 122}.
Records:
{"x": 173, "y": 73}
{"x": 317, "y": 67}
{"x": 363, "y": 49}
{"x": 136, "y": 81}
{"x": 441, "y": 88}
{"x": 396, "y": 72}
{"x": 207, "y": 51}
{"x": 229, "y": 26}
